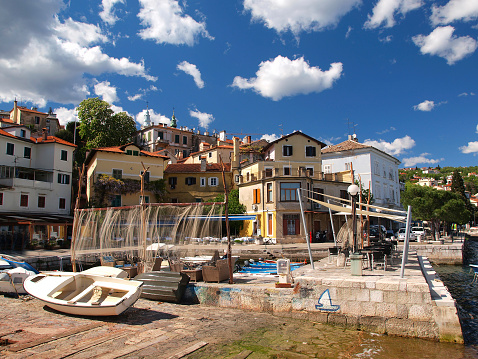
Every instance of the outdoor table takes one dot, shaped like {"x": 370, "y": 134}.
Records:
{"x": 370, "y": 255}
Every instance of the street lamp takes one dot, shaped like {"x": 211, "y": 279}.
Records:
{"x": 353, "y": 190}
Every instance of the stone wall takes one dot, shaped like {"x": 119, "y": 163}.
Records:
{"x": 440, "y": 253}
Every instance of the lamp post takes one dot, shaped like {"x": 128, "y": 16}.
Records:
{"x": 353, "y": 190}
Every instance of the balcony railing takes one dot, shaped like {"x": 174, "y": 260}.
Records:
{"x": 296, "y": 172}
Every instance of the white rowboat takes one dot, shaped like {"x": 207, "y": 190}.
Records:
{"x": 84, "y": 294}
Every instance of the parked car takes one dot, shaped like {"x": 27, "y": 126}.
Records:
{"x": 377, "y": 233}
{"x": 401, "y": 235}
{"x": 418, "y": 230}
{"x": 390, "y": 235}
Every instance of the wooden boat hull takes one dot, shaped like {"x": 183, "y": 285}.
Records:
{"x": 163, "y": 286}
{"x": 84, "y": 294}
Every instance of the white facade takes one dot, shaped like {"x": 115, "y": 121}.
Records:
{"x": 374, "y": 168}
{"x": 35, "y": 174}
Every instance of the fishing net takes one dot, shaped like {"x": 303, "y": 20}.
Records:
{"x": 345, "y": 237}
{"x": 142, "y": 232}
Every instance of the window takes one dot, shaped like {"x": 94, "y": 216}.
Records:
{"x": 61, "y": 203}
{"x": 23, "y": 133}
{"x": 198, "y": 200}
{"x": 236, "y": 178}
{"x": 202, "y": 181}
{"x": 176, "y": 138}
{"x": 310, "y": 170}
{"x": 347, "y": 166}
{"x": 37, "y": 120}
{"x": 213, "y": 181}
{"x": 64, "y": 155}
{"x": 291, "y": 224}
{"x": 288, "y": 192}
{"x": 6, "y": 172}
{"x": 287, "y": 170}
{"x": 390, "y": 174}
{"x": 376, "y": 168}
{"x": 268, "y": 172}
{"x": 118, "y": 174}
{"x": 160, "y": 135}
{"x": 10, "y": 149}
{"x": 344, "y": 194}
{"x": 116, "y": 202}
{"x": 269, "y": 224}
{"x": 185, "y": 140}
{"x": 149, "y": 136}
{"x": 27, "y": 152}
{"x": 145, "y": 177}
{"x": 1, "y": 198}
{"x": 23, "y": 200}
{"x": 318, "y": 195}
{"x": 257, "y": 196}
{"x": 384, "y": 172}
{"x": 145, "y": 199}
{"x": 327, "y": 168}
{"x": 129, "y": 152}
{"x": 185, "y": 153}
{"x": 209, "y": 154}
{"x": 269, "y": 192}
{"x": 41, "y": 201}
{"x": 135, "y": 153}
{"x": 172, "y": 182}
{"x": 63, "y": 179}
{"x": 189, "y": 181}
{"x": 286, "y": 150}
{"x": 310, "y": 151}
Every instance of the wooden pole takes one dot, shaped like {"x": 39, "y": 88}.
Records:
{"x": 226, "y": 213}
{"x": 142, "y": 265}
{"x": 74, "y": 233}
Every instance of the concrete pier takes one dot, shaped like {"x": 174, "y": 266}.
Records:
{"x": 379, "y": 301}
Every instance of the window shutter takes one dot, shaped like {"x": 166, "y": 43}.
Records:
{"x": 284, "y": 227}
{"x": 297, "y": 226}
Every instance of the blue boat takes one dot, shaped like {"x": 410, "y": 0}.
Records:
{"x": 265, "y": 268}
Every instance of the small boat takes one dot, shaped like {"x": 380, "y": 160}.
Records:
{"x": 163, "y": 286}
{"x": 84, "y": 294}
{"x": 266, "y": 267}
{"x": 13, "y": 274}
{"x": 325, "y": 303}
{"x": 474, "y": 269}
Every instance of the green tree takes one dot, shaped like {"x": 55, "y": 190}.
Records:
{"x": 435, "y": 206}
{"x": 458, "y": 187}
{"x": 101, "y": 127}
{"x": 234, "y": 207}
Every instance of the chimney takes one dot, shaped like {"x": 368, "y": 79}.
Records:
{"x": 203, "y": 165}
{"x": 44, "y": 134}
{"x": 249, "y": 140}
{"x": 15, "y": 109}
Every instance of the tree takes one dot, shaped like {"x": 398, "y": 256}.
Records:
{"x": 234, "y": 207}
{"x": 435, "y": 206}
{"x": 458, "y": 187}
{"x": 101, "y": 127}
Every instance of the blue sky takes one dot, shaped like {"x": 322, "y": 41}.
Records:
{"x": 402, "y": 74}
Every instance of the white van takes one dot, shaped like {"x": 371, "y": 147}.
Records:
{"x": 401, "y": 235}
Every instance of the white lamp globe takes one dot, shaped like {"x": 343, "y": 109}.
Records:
{"x": 353, "y": 189}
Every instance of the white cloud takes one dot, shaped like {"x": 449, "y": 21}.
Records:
{"x": 270, "y": 138}
{"x": 426, "y": 105}
{"x": 61, "y": 55}
{"x": 108, "y": 14}
{"x": 154, "y": 117}
{"x": 164, "y": 22}
{"x": 66, "y": 115}
{"x": 466, "y": 94}
{"x": 394, "y": 148}
{"x": 106, "y": 92}
{"x": 441, "y": 42}
{"x": 141, "y": 93}
{"x": 299, "y": 15}
{"x": 391, "y": 128}
{"x": 413, "y": 161}
{"x": 476, "y": 129}
{"x": 205, "y": 119}
{"x": 455, "y": 10}
{"x": 192, "y": 70}
{"x": 282, "y": 77}
{"x": 386, "y": 10}
{"x": 349, "y": 31}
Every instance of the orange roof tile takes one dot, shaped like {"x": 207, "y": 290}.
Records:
{"x": 344, "y": 146}
{"x": 52, "y": 139}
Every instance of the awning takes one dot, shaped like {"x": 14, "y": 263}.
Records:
{"x": 348, "y": 210}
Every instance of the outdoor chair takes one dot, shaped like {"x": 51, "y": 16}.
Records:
{"x": 157, "y": 264}
{"x": 216, "y": 273}
{"x": 333, "y": 251}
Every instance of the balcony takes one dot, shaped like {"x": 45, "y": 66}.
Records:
{"x": 25, "y": 177}
{"x": 296, "y": 172}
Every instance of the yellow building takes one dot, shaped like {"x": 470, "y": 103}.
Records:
{"x": 34, "y": 118}
{"x": 268, "y": 188}
{"x": 196, "y": 182}
{"x": 124, "y": 162}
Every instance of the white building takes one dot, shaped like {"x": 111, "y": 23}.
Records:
{"x": 376, "y": 169}
{"x": 35, "y": 181}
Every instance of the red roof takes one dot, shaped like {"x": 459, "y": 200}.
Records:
{"x": 195, "y": 167}
{"x": 25, "y": 109}
{"x": 52, "y": 139}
